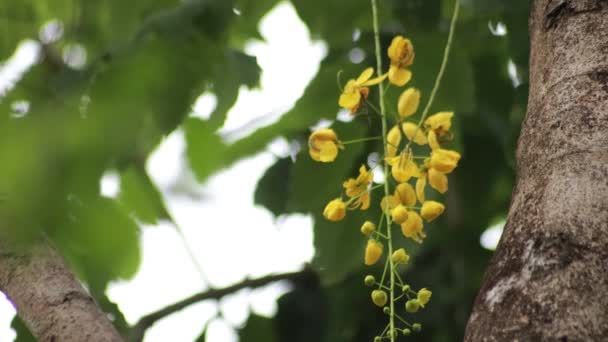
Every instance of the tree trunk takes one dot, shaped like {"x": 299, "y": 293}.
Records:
{"x": 49, "y": 299}
{"x": 548, "y": 280}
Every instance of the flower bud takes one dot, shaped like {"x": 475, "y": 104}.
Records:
{"x": 424, "y": 296}
{"x": 405, "y": 288}
{"x": 323, "y": 145}
{"x": 406, "y": 332}
{"x": 379, "y": 297}
{"x": 369, "y": 280}
{"x": 431, "y": 210}
{"x": 399, "y": 214}
{"x": 335, "y": 210}
{"x": 416, "y": 327}
{"x": 386, "y": 310}
{"x": 400, "y": 256}
{"x": 367, "y": 228}
{"x": 373, "y": 252}
{"x": 412, "y": 305}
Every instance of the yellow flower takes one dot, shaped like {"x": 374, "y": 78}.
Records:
{"x": 420, "y": 185}
{"x": 389, "y": 202}
{"x": 438, "y": 180}
{"x": 444, "y": 161}
{"x": 439, "y": 122}
{"x": 431, "y": 210}
{"x": 393, "y": 138}
{"x": 400, "y": 256}
{"x": 424, "y": 296}
{"x": 403, "y": 167}
{"x": 401, "y": 54}
{"x": 335, "y": 210}
{"x": 408, "y": 102}
{"x": 373, "y": 252}
{"x": 367, "y": 228}
{"x": 412, "y": 227}
{"x": 358, "y": 187}
{"x": 406, "y": 194}
{"x": 409, "y": 129}
{"x": 399, "y": 214}
{"x": 356, "y": 91}
{"x": 323, "y": 145}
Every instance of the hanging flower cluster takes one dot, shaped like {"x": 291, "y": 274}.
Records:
{"x": 404, "y": 204}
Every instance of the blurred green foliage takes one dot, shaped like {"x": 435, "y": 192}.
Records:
{"x": 146, "y": 63}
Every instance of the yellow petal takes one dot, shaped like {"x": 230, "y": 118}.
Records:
{"x": 408, "y": 102}
{"x": 404, "y": 169}
{"x": 438, "y": 180}
{"x": 420, "y": 185}
{"x": 399, "y": 76}
{"x": 431, "y": 210}
{"x": 367, "y": 228}
{"x": 410, "y": 128}
{"x": 439, "y": 122}
{"x": 400, "y": 256}
{"x": 392, "y": 202}
{"x": 432, "y": 139}
{"x": 406, "y": 194}
{"x": 349, "y": 100}
{"x": 328, "y": 151}
{"x": 424, "y": 296}
{"x": 365, "y": 75}
{"x": 393, "y": 139}
{"x": 412, "y": 227}
{"x": 374, "y": 81}
{"x": 394, "y": 50}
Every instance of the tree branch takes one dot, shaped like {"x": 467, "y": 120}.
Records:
{"x": 49, "y": 299}
{"x": 139, "y": 329}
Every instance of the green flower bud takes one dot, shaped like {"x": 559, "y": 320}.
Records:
{"x": 405, "y": 288}
{"x": 369, "y": 280}
{"x": 412, "y": 305}
{"x": 386, "y": 310}
{"x": 406, "y": 332}
{"x": 416, "y": 327}
{"x": 379, "y": 298}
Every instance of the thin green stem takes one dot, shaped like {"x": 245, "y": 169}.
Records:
{"x": 386, "y": 170}
{"x": 353, "y": 141}
{"x": 444, "y": 62}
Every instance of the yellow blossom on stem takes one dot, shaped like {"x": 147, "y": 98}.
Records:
{"x": 359, "y": 188}
{"x": 443, "y": 160}
{"x": 410, "y": 129}
{"x": 406, "y": 194}
{"x": 400, "y": 256}
{"x": 408, "y": 102}
{"x": 323, "y": 145}
{"x": 393, "y": 139}
{"x": 403, "y": 167}
{"x": 356, "y": 90}
{"x": 379, "y": 297}
{"x": 335, "y": 210}
{"x": 431, "y": 210}
{"x": 401, "y": 54}
{"x": 440, "y": 122}
{"x": 424, "y": 296}
{"x": 367, "y": 228}
{"x": 399, "y": 214}
{"x": 373, "y": 251}
{"x": 412, "y": 227}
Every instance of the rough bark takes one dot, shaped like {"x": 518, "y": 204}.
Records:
{"x": 49, "y": 299}
{"x": 548, "y": 279}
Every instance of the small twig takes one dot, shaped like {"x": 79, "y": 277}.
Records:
{"x": 139, "y": 329}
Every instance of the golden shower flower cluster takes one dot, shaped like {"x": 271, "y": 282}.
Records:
{"x": 404, "y": 203}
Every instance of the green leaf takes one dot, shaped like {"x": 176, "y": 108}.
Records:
{"x": 235, "y": 70}
{"x": 273, "y": 189}
{"x": 256, "y": 329}
{"x": 205, "y": 150}
{"x": 100, "y": 240}
{"x": 141, "y": 197}
{"x": 23, "y": 333}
